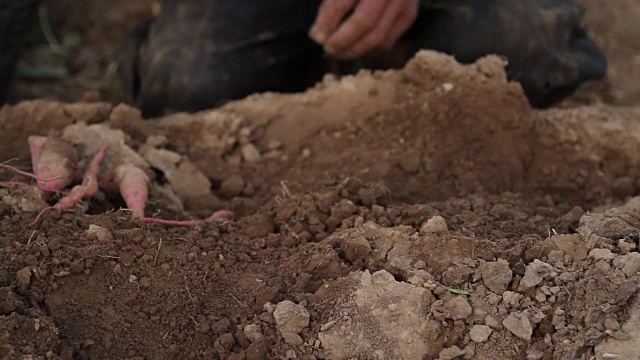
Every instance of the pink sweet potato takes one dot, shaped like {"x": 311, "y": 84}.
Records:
{"x": 78, "y": 193}
{"x": 90, "y": 180}
{"x": 133, "y": 184}
{"x": 54, "y": 162}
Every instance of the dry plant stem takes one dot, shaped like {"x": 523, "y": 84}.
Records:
{"x": 13, "y": 183}
{"x": 218, "y": 215}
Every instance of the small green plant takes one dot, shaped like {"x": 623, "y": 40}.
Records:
{"x": 458, "y": 291}
{"x": 48, "y": 60}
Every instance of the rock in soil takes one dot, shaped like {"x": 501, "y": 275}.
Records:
{"x": 480, "y": 333}
{"x": 291, "y": 319}
{"x": 496, "y": 275}
{"x": 518, "y": 324}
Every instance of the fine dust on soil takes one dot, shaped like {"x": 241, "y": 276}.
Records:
{"x": 416, "y": 214}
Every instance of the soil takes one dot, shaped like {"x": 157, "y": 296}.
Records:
{"x": 424, "y": 213}
{"x": 612, "y": 28}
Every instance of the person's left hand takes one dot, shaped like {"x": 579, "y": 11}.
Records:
{"x": 372, "y": 24}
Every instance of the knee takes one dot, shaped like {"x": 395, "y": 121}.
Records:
{"x": 547, "y": 50}
{"x": 554, "y": 74}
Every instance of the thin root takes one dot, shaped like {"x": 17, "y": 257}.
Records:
{"x": 8, "y": 161}
{"x": 13, "y": 183}
{"x": 33, "y": 176}
{"x": 42, "y": 213}
{"x": 56, "y": 191}
{"x": 23, "y": 184}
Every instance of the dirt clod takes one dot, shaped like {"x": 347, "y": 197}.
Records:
{"x": 250, "y": 153}
{"x": 253, "y": 332}
{"x": 100, "y": 233}
{"x": 535, "y": 273}
{"x": 629, "y": 263}
{"x": 480, "y": 333}
{"x": 451, "y": 353}
{"x": 601, "y": 254}
{"x": 232, "y": 186}
{"x": 436, "y": 225}
{"x": 385, "y": 312}
{"x": 291, "y": 319}
{"x": 356, "y": 249}
{"x": 518, "y": 324}
{"x": 496, "y": 275}
{"x": 23, "y": 277}
{"x": 9, "y": 302}
{"x": 457, "y": 308}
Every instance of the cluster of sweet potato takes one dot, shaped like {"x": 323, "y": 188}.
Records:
{"x": 55, "y": 169}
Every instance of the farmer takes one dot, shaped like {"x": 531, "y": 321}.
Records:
{"x": 198, "y": 53}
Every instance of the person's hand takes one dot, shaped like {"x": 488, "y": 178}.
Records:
{"x": 370, "y": 24}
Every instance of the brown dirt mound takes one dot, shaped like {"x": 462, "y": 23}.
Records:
{"x": 420, "y": 213}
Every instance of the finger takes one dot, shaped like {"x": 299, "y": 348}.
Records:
{"x": 363, "y": 20}
{"x": 401, "y": 25}
{"x": 329, "y": 17}
{"x": 376, "y": 37}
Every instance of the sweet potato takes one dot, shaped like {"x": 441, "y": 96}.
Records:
{"x": 54, "y": 162}
{"x": 85, "y": 191}
{"x": 90, "y": 180}
{"x": 133, "y": 184}
{"x": 19, "y": 183}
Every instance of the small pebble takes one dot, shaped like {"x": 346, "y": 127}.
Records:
{"x": 23, "y": 277}
{"x": 480, "y": 333}
{"x": 250, "y": 153}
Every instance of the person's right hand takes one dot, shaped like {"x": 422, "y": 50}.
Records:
{"x": 372, "y": 24}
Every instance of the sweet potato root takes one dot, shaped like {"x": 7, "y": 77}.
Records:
{"x": 13, "y": 183}
{"x": 90, "y": 180}
{"x": 218, "y": 215}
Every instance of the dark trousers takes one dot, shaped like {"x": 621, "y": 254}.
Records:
{"x": 16, "y": 18}
{"x": 199, "y": 53}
